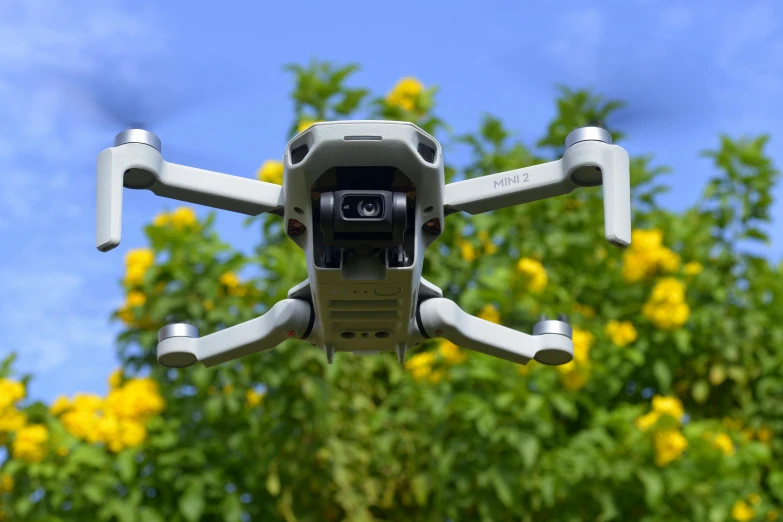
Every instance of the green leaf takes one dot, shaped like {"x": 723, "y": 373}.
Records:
{"x": 529, "y": 448}
{"x": 420, "y": 485}
{"x": 663, "y": 375}
{"x": 126, "y": 464}
{"x": 94, "y": 493}
{"x": 653, "y": 487}
{"x": 701, "y": 391}
{"x": 273, "y": 481}
{"x": 191, "y": 503}
{"x": 502, "y": 489}
{"x": 231, "y": 508}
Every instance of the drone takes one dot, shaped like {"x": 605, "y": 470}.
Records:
{"x": 364, "y": 199}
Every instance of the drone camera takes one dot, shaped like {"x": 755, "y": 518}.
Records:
{"x": 363, "y": 218}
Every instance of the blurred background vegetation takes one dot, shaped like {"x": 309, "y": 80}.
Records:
{"x": 671, "y": 410}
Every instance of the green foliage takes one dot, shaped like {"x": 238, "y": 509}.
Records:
{"x": 363, "y": 440}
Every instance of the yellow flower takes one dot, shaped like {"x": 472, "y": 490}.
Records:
{"x": 59, "y": 405}
{"x": 646, "y": 240}
{"x": 436, "y": 376}
{"x": 271, "y": 172}
{"x": 647, "y": 421}
{"x": 132, "y": 433}
{"x": 724, "y": 443}
{"x": 253, "y": 397}
{"x": 134, "y": 275}
{"x": 764, "y": 435}
{"x": 115, "y": 378}
{"x": 30, "y": 443}
{"x": 772, "y": 515}
{"x": 63, "y": 451}
{"x": 304, "y": 125}
{"x": 534, "y": 273}
{"x": 420, "y": 365}
{"x": 183, "y": 217}
{"x": 87, "y": 402}
{"x": 622, "y": 333}
{"x": 11, "y": 392}
{"x": 11, "y": 420}
{"x": 754, "y": 498}
{"x": 208, "y": 305}
{"x": 162, "y": 219}
{"x": 742, "y": 512}
{"x": 668, "y": 406}
{"x": 229, "y": 279}
{"x": 489, "y": 312}
{"x": 228, "y": 389}
{"x": 137, "y": 399}
{"x": 574, "y": 378}
{"x": 669, "y": 445}
{"x": 585, "y": 310}
{"x": 140, "y": 257}
{"x": 451, "y": 352}
{"x": 420, "y": 360}
{"x": 693, "y": 268}
{"x": 668, "y": 290}
{"x": 135, "y": 299}
{"x": 666, "y": 307}
{"x": 583, "y": 341}
{"x": 136, "y": 264}
{"x": 405, "y": 93}
{"x": 647, "y": 255}
{"x": 467, "y": 251}
{"x": 6, "y": 483}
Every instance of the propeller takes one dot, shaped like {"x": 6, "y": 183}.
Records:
{"x": 150, "y": 95}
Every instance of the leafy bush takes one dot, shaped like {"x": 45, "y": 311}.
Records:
{"x": 671, "y": 410}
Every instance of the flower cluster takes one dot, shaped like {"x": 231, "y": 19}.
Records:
{"x": 405, "y": 94}
{"x": 489, "y": 312}
{"x": 231, "y": 284}
{"x": 127, "y": 313}
{"x": 182, "y": 218}
{"x": 534, "y": 273}
{"x": 743, "y": 511}
{"x": 574, "y": 374}
{"x": 137, "y": 262}
{"x": 421, "y": 365}
{"x": 622, "y": 333}
{"x": 11, "y": 419}
{"x": 119, "y": 420}
{"x": 468, "y": 250}
{"x": 647, "y": 256}
{"x": 271, "y": 172}
{"x": 253, "y": 397}
{"x": 30, "y": 443}
{"x": 669, "y": 441}
{"x": 666, "y": 307}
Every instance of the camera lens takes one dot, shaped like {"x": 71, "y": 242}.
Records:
{"x": 369, "y": 208}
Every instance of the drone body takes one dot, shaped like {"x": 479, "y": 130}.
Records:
{"x": 364, "y": 200}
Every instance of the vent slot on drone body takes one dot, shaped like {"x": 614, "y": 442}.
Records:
{"x": 426, "y": 153}
{"x": 299, "y": 153}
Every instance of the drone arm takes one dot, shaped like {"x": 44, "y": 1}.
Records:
{"x": 179, "y": 345}
{"x": 213, "y": 189}
{"x": 140, "y": 166}
{"x": 584, "y": 164}
{"x": 506, "y": 189}
{"x": 440, "y": 317}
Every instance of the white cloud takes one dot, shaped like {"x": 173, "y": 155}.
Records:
{"x": 43, "y": 320}
{"x": 577, "y": 47}
{"x": 52, "y": 312}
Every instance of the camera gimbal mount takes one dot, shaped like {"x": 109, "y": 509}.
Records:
{"x": 363, "y": 200}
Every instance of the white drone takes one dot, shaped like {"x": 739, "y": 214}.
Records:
{"x": 363, "y": 200}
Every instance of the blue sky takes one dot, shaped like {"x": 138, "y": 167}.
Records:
{"x": 689, "y": 71}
